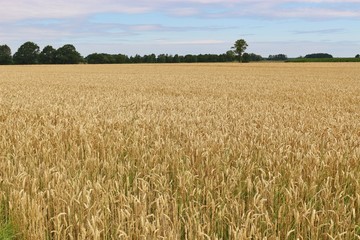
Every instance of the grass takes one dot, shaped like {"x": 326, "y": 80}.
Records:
{"x": 7, "y": 232}
{"x": 185, "y": 151}
{"x": 7, "y": 229}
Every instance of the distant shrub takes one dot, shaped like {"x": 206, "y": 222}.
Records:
{"x": 324, "y": 60}
{"x": 251, "y": 57}
{"x": 277, "y": 57}
{"x": 319, "y": 55}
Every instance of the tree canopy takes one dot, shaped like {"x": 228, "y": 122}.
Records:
{"x": 278, "y": 57}
{"x": 47, "y": 55}
{"x": 28, "y": 53}
{"x": 239, "y": 48}
{"x": 251, "y": 57}
{"x": 67, "y": 54}
{"x": 319, "y": 55}
{"x": 5, "y": 55}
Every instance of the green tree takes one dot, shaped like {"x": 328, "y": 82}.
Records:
{"x": 239, "y": 48}
{"x": 230, "y": 56}
{"x": 28, "y": 53}
{"x": 136, "y": 59}
{"x": 121, "y": 58}
{"x": 5, "y": 55}
{"x": 176, "y": 59}
{"x": 47, "y": 55}
{"x": 161, "y": 58}
{"x": 189, "y": 58}
{"x": 357, "y": 56}
{"x": 150, "y": 58}
{"x": 319, "y": 55}
{"x": 277, "y": 57}
{"x": 67, "y": 54}
{"x": 246, "y": 57}
{"x": 255, "y": 58}
{"x": 100, "y": 58}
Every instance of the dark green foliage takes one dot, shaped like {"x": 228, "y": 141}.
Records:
{"x": 239, "y": 48}
{"x": 67, "y": 54}
{"x": 324, "y": 60}
{"x": 105, "y": 58}
{"x": 121, "y": 58}
{"x": 5, "y": 55}
{"x": 47, "y": 55}
{"x": 190, "y": 58}
{"x": 136, "y": 59}
{"x": 100, "y": 58}
{"x": 246, "y": 57}
{"x": 150, "y": 58}
{"x": 277, "y": 57}
{"x": 28, "y": 53}
{"x": 251, "y": 57}
{"x": 161, "y": 58}
{"x": 229, "y": 56}
{"x": 176, "y": 59}
{"x": 319, "y": 55}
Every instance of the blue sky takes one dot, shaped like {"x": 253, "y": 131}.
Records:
{"x": 142, "y": 27}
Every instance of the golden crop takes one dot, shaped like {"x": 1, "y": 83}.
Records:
{"x": 201, "y": 151}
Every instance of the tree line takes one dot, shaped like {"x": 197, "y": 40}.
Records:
{"x": 29, "y": 53}
{"x": 229, "y": 56}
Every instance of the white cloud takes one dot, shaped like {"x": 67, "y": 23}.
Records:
{"x": 182, "y": 12}
{"x": 191, "y": 42}
{"x": 39, "y": 9}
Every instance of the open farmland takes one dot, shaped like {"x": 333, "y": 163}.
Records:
{"x": 202, "y": 151}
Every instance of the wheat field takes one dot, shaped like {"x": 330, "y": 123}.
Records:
{"x": 183, "y": 151}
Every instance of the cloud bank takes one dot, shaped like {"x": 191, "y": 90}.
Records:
{"x": 39, "y": 9}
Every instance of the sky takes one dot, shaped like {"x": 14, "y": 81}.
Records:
{"x": 290, "y": 27}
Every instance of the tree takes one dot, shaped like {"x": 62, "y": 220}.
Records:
{"x": 239, "y": 48}
{"x": 28, "y": 53}
{"x": 150, "y": 58}
{"x": 100, "y": 58}
{"x": 190, "y": 58}
{"x": 176, "y": 59}
{"x": 67, "y": 54}
{"x": 251, "y": 57}
{"x": 169, "y": 58}
{"x": 121, "y": 58}
{"x": 105, "y": 58}
{"x": 255, "y": 58}
{"x": 357, "y": 56}
{"x": 230, "y": 56}
{"x": 161, "y": 58}
{"x": 277, "y": 57}
{"x": 47, "y": 55}
{"x": 5, "y": 55}
{"x": 319, "y": 55}
{"x": 246, "y": 58}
